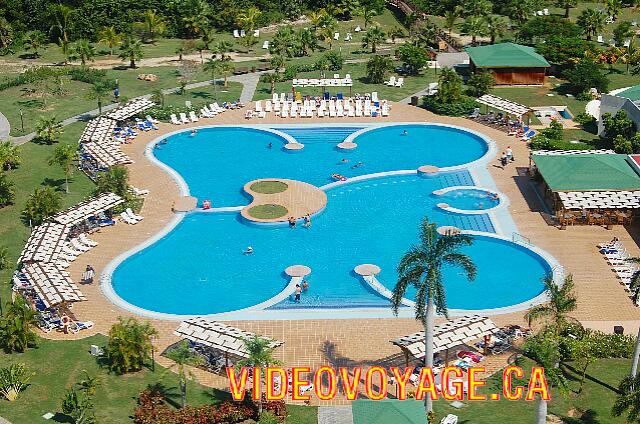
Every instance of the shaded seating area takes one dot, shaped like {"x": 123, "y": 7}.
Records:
{"x": 52, "y": 285}
{"x": 588, "y": 188}
{"x": 98, "y": 129}
{"x": 88, "y": 209}
{"x": 509, "y": 118}
{"x": 45, "y": 243}
{"x": 130, "y": 109}
{"x": 219, "y": 344}
{"x": 98, "y": 148}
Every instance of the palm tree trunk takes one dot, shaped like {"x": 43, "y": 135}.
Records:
{"x": 183, "y": 392}
{"x": 132, "y": 63}
{"x": 66, "y": 183}
{"x": 636, "y": 356}
{"x": 541, "y": 411}
{"x": 428, "y": 348}
{"x": 566, "y": 11}
{"x": 225, "y": 79}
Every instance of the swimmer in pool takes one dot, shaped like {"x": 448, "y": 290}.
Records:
{"x": 357, "y": 165}
{"x": 404, "y": 132}
{"x": 249, "y": 251}
{"x": 193, "y": 132}
{"x": 270, "y": 145}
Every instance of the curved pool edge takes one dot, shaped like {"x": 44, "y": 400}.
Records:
{"x": 503, "y": 200}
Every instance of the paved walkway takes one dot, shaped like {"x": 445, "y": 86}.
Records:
{"x": 335, "y": 415}
{"x": 249, "y": 84}
{"x": 4, "y": 421}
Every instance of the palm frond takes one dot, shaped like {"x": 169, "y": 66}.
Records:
{"x": 463, "y": 261}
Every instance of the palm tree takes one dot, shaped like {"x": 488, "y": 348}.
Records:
{"x": 151, "y": 27}
{"x": 41, "y": 204}
{"x": 222, "y": 48}
{"x": 6, "y": 33}
{"x": 367, "y": 12}
{"x": 326, "y": 34}
{"x": 307, "y": 40}
{"x": 182, "y": 357}
{"x": 373, "y": 37}
{"x": 98, "y": 91}
{"x": 614, "y": 7}
{"x": 421, "y": 267}
{"x": 131, "y": 50}
{"x": 272, "y": 78}
{"x": 477, "y": 7}
{"x": 277, "y": 62}
{"x": 450, "y": 18}
{"x": 247, "y": 19}
{"x": 83, "y": 50}
{"x": 199, "y": 24}
{"x": 110, "y": 36}
{"x": 316, "y": 17}
{"x": 33, "y": 40}
{"x": 377, "y": 68}
{"x": 628, "y": 399}
{"x": 16, "y": 329}
{"x": 130, "y": 345}
{"x": 65, "y": 156}
{"x": 48, "y": 129}
{"x": 561, "y": 302}
{"x": 395, "y": 32}
{"x": 496, "y": 27}
{"x": 214, "y": 67}
{"x": 9, "y": 156}
{"x": 260, "y": 355}
{"x": 475, "y": 26}
{"x": 567, "y": 5}
{"x": 7, "y": 190}
{"x": 284, "y": 42}
{"x": 591, "y": 21}
{"x": 115, "y": 180}
{"x": 426, "y": 36}
{"x": 63, "y": 17}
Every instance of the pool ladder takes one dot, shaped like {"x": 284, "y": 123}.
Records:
{"x": 520, "y": 239}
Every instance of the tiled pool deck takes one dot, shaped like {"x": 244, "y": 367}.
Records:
{"x": 602, "y": 302}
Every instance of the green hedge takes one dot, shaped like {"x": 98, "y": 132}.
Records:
{"x": 462, "y": 107}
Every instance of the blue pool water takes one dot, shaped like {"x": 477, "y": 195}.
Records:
{"x": 217, "y": 162}
{"x": 468, "y": 199}
{"x": 565, "y": 114}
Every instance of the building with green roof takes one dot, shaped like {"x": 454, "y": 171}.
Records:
{"x": 627, "y": 100}
{"x": 509, "y": 63}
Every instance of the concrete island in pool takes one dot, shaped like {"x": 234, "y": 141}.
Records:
{"x": 377, "y": 192}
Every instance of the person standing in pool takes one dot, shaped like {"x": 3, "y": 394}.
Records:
{"x": 292, "y": 222}
{"x": 298, "y": 291}
{"x": 249, "y": 251}
{"x": 305, "y": 285}
{"x": 307, "y": 221}
{"x": 270, "y": 145}
{"x": 404, "y": 132}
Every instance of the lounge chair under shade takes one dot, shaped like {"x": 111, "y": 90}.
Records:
{"x": 174, "y": 119}
{"x": 133, "y": 215}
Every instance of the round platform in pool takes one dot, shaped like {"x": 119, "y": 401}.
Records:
{"x": 468, "y": 199}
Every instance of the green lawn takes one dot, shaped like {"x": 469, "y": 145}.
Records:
{"x": 205, "y": 95}
{"x": 116, "y": 395}
{"x": 593, "y": 404}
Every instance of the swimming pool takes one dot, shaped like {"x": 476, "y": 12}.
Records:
{"x": 468, "y": 199}
{"x": 198, "y": 267}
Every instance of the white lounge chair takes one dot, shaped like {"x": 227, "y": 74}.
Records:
{"x": 400, "y": 82}
{"x": 87, "y": 241}
{"x": 243, "y": 33}
{"x": 268, "y": 106}
{"x": 76, "y": 326}
{"x": 75, "y": 243}
{"x": 265, "y": 45}
{"x": 336, "y": 36}
{"x": 193, "y": 116}
{"x": 256, "y": 33}
{"x": 392, "y": 81}
{"x": 236, "y": 34}
{"x": 183, "y": 118}
{"x": 450, "y": 419}
{"x": 174, "y": 119}
{"x": 545, "y": 12}
{"x": 133, "y": 215}
{"x": 152, "y": 120}
{"x": 126, "y": 218}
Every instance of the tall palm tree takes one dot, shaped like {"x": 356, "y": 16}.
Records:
{"x": 567, "y": 5}
{"x": 226, "y": 68}
{"x": 496, "y": 27}
{"x": 450, "y": 18}
{"x": 307, "y": 40}
{"x": 6, "y": 33}
{"x": 199, "y": 24}
{"x": 131, "y": 50}
{"x": 182, "y": 357}
{"x": 476, "y": 7}
{"x": 214, "y": 67}
{"x": 222, "y": 48}
{"x": 614, "y": 7}
{"x": 562, "y": 301}
{"x": 591, "y": 21}
{"x": 272, "y": 78}
{"x": 326, "y": 34}
{"x": 115, "y": 180}
{"x": 16, "y": 331}
{"x": 377, "y": 68}
{"x": 373, "y": 37}
{"x": 83, "y": 50}
{"x": 426, "y": 35}
{"x": 367, "y": 11}
{"x": 475, "y": 26}
{"x": 151, "y": 27}
{"x": 260, "y": 355}
{"x": 628, "y": 399}
{"x": 65, "y": 156}
{"x": 49, "y": 129}
{"x": 9, "y": 156}
{"x": 34, "y": 40}
{"x": 316, "y": 17}
{"x": 110, "y": 36}
{"x": 63, "y": 17}
{"x": 421, "y": 268}
{"x": 248, "y": 19}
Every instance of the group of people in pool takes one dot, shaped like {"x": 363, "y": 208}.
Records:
{"x": 300, "y": 289}
{"x": 307, "y": 221}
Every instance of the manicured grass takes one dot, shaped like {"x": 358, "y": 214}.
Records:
{"x": 269, "y": 187}
{"x": 34, "y": 172}
{"x": 205, "y": 95}
{"x": 593, "y": 404}
{"x": 267, "y": 211}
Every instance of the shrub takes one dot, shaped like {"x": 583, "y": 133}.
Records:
{"x": 585, "y": 75}
{"x": 32, "y": 75}
{"x": 461, "y": 107}
{"x": 7, "y": 190}
{"x": 602, "y": 345}
{"x": 335, "y": 60}
{"x": 553, "y": 131}
{"x": 129, "y": 345}
{"x": 622, "y": 145}
{"x": 584, "y": 119}
{"x": 13, "y": 380}
{"x": 42, "y": 203}
{"x": 541, "y": 142}
{"x": 90, "y": 76}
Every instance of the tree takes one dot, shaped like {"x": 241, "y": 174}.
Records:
{"x": 182, "y": 357}
{"x": 395, "y": 32}
{"x": 129, "y": 345}
{"x": 614, "y": 7}
{"x": 33, "y": 41}
{"x": 426, "y": 35}
{"x": 272, "y": 78}
{"x": 449, "y": 86}
{"x": 6, "y": 34}
{"x": 115, "y": 180}
{"x": 373, "y": 37}
{"x": 542, "y": 28}
{"x": 622, "y": 32}
{"x": 83, "y": 50}
{"x": 49, "y": 129}
{"x": 562, "y": 301}
{"x": 475, "y": 26}
{"x": 63, "y": 17}
{"x": 151, "y": 27}
{"x": 222, "y": 48}
{"x": 618, "y": 125}
{"x": 567, "y": 5}
{"x": 421, "y": 267}
{"x": 476, "y": 7}
{"x": 583, "y": 356}
{"x": 592, "y": 22}
{"x": 496, "y": 27}
{"x": 9, "y": 156}
{"x": 131, "y": 50}
{"x": 226, "y": 68}
{"x": 259, "y": 355}
{"x": 187, "y": 73}
{"x": 110, "y": 36}
{"x": 248, "y": 19}
{"x": 7, "y": 190}
{"x": 480, "y": 83}
{"x": 77, "y": 402}
{"x": 307, "y": 40}
{"x": 14, "y": 379}
{"x": 564, "y": 51}
{"x": 16, "y": 327}
{"x": 585, "y": 75}
{"x": 450, "y": 18}
{"x": 197, "y": 20}
{"x": 367, "y": 11}
{"x": 185, "y": 47}
{"x": 98, "y": 91}
{"x": 414, "y": 58}
{"x": 65, "y": 156}
{"x": 628, "y": 399}
{"x": 214, "y": 67}
{"x": 284, "y": 42}
{"x": 377, "y": 68}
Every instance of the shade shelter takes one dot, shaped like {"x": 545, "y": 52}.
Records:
{"x": 447, "y": 335}
{"x": 52, "y": 285}
{"x": 45, "y": 243}
{"x": 88, "y": 208}
{"x": 224, "y": 338}
{"x": 99, "y": 156}
{"x": 98, "y": 129}
{"x": 130, "y": 109}
{"x": 504, "y": 105}
{"x": 409, "y": 411}
{"x": 509, "y": 63}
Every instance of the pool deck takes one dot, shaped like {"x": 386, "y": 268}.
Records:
{"x": 299, "y": 199}
{"x": 602, "y": 302}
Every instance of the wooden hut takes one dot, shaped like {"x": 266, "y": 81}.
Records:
{"x": 509, "y": 63}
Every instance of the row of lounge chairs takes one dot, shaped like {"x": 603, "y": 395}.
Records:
{"x": 73, "y": 249}
{"x": 502, "y": 122}
{"x": 393, "y": 82}
{"x": 209, "y": 111}
{"x": 310, "y": 108}
{"x": 620, "y": 261}
{"x": 130, "y": 217}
